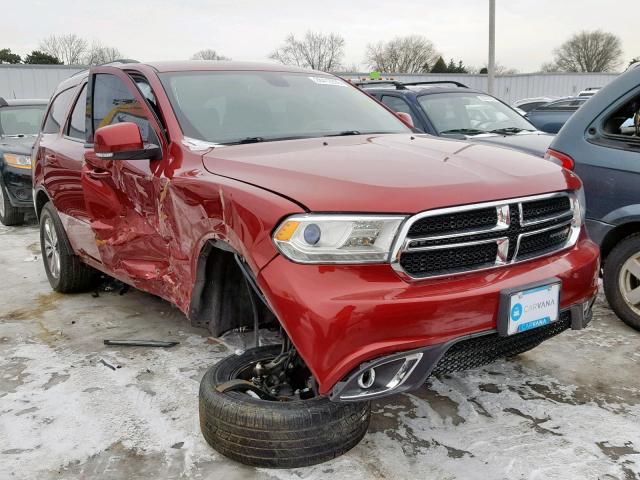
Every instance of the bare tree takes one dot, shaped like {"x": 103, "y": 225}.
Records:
{"x": 316, "y": 50}
{"x": 70, "y": 48}
{"x": 411, "y": 54}
{"x": 208, "y": 54}
{"x": 98, "y": 54}
{"x": 549, "y": 67}
{"x": 589, "y": 51}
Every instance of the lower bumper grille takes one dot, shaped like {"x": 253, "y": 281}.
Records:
{"x": 478, "y": 351}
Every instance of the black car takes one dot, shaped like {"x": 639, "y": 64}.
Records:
{"x": 602, "y": 139}
{"x": 551, "y": 116}
{"x": 451, "y": 109}
{"x": 19, "y": 125}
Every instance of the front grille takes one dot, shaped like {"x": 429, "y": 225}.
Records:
{"x": 482, "y": 236}
{"x": 478, "y": 351}
{"x": 543, "y": 241}
{"x": 454, "y": 222}
{"x": 449, "y": 260}
{"x": 548, "y": 207}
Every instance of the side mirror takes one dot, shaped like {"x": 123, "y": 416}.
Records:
{"x": 406, "y": 118}
{"x": 122, "y": 141}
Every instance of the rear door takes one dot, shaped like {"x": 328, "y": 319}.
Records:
{"x": 122, "y": 196}
{"x": 61, "y": 155}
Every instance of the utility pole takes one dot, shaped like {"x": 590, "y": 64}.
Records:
{"x": 491, "y": 68}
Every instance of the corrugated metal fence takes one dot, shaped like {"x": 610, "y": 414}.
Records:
{"x": 32, "y": 81}
{"x": 39, "y": 81}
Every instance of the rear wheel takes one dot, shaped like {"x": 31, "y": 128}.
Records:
{"x": 9, "y": 215}
{"x": 261, "y": 415}
{"x": 65, "y": 270}
{"x": 622, "y": 280}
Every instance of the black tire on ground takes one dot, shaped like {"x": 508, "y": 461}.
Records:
{"x": 9, "y": 215}
{"x": 613, "y": 265}
{"x": 274, "y": 434}
{"x": 73, "y": 275}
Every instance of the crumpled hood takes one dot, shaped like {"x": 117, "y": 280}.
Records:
{"x": 532, "y": 143}
{"x": 387, "y": 173}
{"x": 20, "y": 145}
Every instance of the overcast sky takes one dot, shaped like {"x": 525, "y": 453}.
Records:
{"x": 527, "y": 30}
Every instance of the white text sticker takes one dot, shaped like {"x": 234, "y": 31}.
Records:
{"x": 328, "y": 81}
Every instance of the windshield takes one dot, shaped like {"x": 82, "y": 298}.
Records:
{"x": 244, "y": 107}
{"x": 21, "y": 120}
{"x": 471, "y": 114}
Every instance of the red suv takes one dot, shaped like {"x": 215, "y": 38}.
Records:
{"x": 254, "y": 194}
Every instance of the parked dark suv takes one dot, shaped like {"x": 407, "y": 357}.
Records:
{"x": 603, "y": 139}
{"x": 452, "y": 110}
{"x": 19, "y": 124}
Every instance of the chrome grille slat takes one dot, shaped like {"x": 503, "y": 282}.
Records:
{"x": 507, "y": 233}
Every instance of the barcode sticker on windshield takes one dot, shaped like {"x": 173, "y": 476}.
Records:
{"x": 328, "y": 81}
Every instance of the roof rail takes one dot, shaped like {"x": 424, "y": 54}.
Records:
{"x": 398, "y": 85}
{"x": 436, "y": 82}
{"x": 119, "y": 61}
{"x": 3, "y": 102}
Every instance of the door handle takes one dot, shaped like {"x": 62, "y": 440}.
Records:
{"x": 98, "y": 173}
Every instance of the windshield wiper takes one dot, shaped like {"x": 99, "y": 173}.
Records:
{"x": 345, "y": 133}
{"x": 508, "y": 130}
{"x": 464, "y": 131}
{"x": 264, "y": 139}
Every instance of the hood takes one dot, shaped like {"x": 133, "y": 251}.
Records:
{"x": 20, "y": 145}
{"x": 387, "y": 173}
{"x": 531, "y": 143}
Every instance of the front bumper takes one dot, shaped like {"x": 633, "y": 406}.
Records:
{"x": 460, "y": 354}
{"x": 17, "y": 183}
{"x": 340, "y": 317}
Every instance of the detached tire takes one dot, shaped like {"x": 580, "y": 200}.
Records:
{"x": 65, "y": 270}
{"x": 622, "y": 277}
{"x": 274, "y": 434}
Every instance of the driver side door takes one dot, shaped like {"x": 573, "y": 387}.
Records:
{"x": 122, "y": 196}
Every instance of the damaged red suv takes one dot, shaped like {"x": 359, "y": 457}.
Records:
{"x": 252, "y": 194}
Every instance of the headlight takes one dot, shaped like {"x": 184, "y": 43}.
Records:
{"x": 18, "y": 161}
{"x": 580, "y": 208}
{"x": 337, "y": 238}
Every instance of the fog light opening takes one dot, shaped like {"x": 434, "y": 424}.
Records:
{"x": 367, "y": 378}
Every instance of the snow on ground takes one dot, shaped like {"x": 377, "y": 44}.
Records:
{"x": 72, "y": 408}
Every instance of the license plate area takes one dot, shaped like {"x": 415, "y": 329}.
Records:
{"x": 528, "y": 307}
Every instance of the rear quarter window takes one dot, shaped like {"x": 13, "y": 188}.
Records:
{"x": 58, "y": 111}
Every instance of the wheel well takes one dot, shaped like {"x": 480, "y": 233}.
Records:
{"x": 616, "y": 235}
{"x": 41, "y": 201}
{"x": 221, "y": 299}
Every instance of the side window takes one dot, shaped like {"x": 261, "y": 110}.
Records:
{"x": 77, "y": 126}
{"x": 113, "y": 102}
{"x": 624, "y": 122}
{"x": 59, "y": 107}
{"x": 399, "y": 105}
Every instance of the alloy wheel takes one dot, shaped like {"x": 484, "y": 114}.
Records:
{"x": 629, "y": 282}
{"x": 51, "y": 248}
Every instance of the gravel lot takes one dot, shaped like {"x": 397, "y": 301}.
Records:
{"x": 569, "y": 409}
